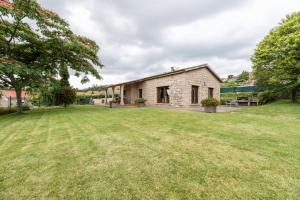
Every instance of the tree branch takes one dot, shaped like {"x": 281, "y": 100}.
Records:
{"x": 4, "y": 22}
{"x": 15, "y": 31}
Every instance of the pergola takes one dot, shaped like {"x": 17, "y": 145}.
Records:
{"x": 113, "y": 87}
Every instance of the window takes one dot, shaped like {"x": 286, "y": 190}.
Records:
{"x": 163, "y": 94}
{"x": 195, "y": 94}
{"x": 210, "y": 92}
{"x": 140, "y": 93}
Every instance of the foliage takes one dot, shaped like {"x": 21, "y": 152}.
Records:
{"x": 64, "y": 76}
{"x": 93, "y": 88}
{"x": 243, "y": 77}
{"x": 94, "y": 96}
{"x": 45, "y": 93}
{"x": 54, "y": 92}
{"x": 266, "y": 97}
{"x": 229, "y": 97}
{"x": 83, "y": 100}
{"x": 35, "y": 43}
{"x": 210, "y": 102}
{"x": 239, "y": 80}
{"x": 276, "y": 61}
{"x": 240, "y": 94}
{"x": 65, "y": 95}
{"x": 140, "y": 101}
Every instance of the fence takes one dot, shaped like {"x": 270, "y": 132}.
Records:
{"x": 240, "y": 89}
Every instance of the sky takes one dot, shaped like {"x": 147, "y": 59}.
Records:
{"x": 138, "y": 38}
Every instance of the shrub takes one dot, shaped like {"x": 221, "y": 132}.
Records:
{"x": 82, "y": 100}
{"x": 266, "y": 97}
{"x": 65, "y": 96}
{"x": 140, "y": 100}
{"x": 210, "y": 102}
{"x": 224, "y": 101}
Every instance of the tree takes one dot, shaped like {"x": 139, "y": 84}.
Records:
{"x": 276, "y": 61}
{"x": 35, "y": 43}
{"x": 239, "y": 80}
{"x": 65, "y": 95}
{"x": 56, "y": 91}
{"x": 64, "y": 76}
{"x": 243, "y": 77}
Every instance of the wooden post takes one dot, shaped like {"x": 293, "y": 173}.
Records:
{"x": 10, "y": 103}
{"x": 106, "y": 96}
{"x": 122, "y": 94}
{"x": 113, "y": 93}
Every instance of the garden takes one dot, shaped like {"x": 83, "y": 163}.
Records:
{"x": 88, "y": 152}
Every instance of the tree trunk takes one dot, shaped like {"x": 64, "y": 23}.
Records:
{"x": 294, "y": 96}
{"x": 19, "y": 99}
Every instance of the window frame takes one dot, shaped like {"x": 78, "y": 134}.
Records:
{"x": 210, "y": 92}
{"x": 195, "y": 94}
{"x": 162, "y": 95}
{"x": 140, "y": 93}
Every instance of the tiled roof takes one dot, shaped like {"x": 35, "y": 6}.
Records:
{"x": 180, "y": 71}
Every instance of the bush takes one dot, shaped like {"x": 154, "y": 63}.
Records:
{"x": 210, "y": 102}
{"x": 225, "y": 101}
{"x": 82, "y": 100}
{"x": 229, "y": 97}
{"x": 65, "y": 96}
{"x": 140, "y": 100}
{"x": 266, "y": 97}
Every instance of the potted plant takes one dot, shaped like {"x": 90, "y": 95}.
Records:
{"x": 140, "y": 102}
{"x": 210, "y": 105}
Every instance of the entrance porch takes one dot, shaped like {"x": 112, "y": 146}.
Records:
{"x": 123, "y": 94}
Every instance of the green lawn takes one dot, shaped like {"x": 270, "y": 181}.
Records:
{"x": 88, "y": 152}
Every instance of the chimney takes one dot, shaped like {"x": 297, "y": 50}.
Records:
{"x": 172, "y": 69}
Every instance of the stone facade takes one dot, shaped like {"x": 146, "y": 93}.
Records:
{"x": 180, "y": 88}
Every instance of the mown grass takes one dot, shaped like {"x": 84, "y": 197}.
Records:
{"x": 88, "y": 152}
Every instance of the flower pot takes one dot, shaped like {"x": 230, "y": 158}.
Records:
{"x": 210, "y": 109}
{"x": 140, "y": 105}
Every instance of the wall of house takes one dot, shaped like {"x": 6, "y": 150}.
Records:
{"x": 204, "y": 79}
{"x": 180, "y": 87}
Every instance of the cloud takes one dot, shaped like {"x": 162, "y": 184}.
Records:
{"x": 140, "y": 38}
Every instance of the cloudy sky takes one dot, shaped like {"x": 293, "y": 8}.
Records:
{"x": 145, "y": 37}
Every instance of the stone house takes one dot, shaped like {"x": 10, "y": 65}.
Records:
{"x": 180, "y": 88}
